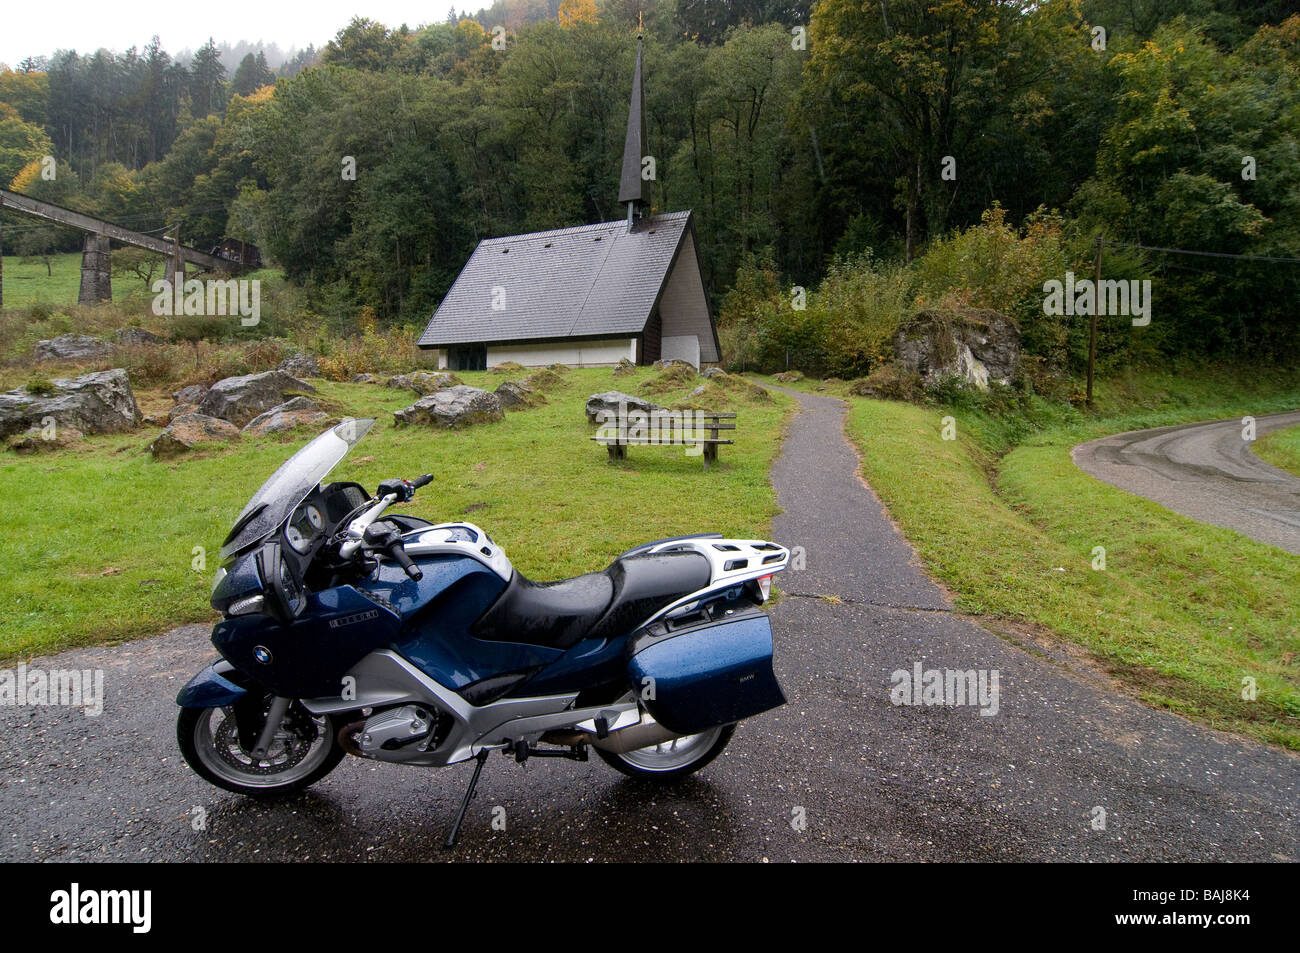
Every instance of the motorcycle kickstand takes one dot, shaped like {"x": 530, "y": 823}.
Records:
{"x": 481, "y": 757}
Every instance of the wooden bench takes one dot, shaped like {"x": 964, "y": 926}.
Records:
{"x": 667, "y": 429}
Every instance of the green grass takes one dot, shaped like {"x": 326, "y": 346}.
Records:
{"x": 1182, "y": 612}
{"x": 101, "y": 537}
{"x": 1281, "y": 448}
{"x": 26, "y": 282}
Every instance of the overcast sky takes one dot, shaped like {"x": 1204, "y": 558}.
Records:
{"x": 30, "y": 28}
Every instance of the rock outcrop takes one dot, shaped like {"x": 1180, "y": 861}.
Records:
{"x": 518, "y": 395}
{"x": 974, "y": 345}
{"x": 615, "y": 402}
{"x": 240, "y": 399}
{"x": 72, "y": 347}
{"x": 454, "y": 407}
{"x": 424, "y": 382}
{"x": 101, "y": 402}
{"x": 189, "y": 431}
{"x": 298, "y": 412}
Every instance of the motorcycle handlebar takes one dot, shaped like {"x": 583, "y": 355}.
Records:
{"x": 398, "y": 552}
{"x": 422, "y": 481}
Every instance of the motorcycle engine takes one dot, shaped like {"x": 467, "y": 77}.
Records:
{"x": 388, "y": 735}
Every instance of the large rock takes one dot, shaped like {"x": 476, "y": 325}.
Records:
{"x": 974, "y": 345}
{"x": 191, "y": 394}
{"x": 37, "y": 439}
{"x": 301, "y": 364}
{"x": 101, "y": 402}
{"x": 614, "y": 402}
{"x": 459, "y": 406}
{"x": 240, "y": 399}
{"x": 295, "y": 413}
{"x": 189, "y": 431}
{"x": 518, "y": 395}
{"x": 137, "y": 336}
{"x": 424, "y": 382}
{"x": 72, "y": 347}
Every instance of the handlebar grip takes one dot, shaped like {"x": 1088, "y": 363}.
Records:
{"x": 422, "y": 481}
{"x": 398, "y": 552}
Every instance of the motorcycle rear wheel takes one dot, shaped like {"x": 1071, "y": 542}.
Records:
{"x": 671, "y": 760}
{"x": 304, "y": 750}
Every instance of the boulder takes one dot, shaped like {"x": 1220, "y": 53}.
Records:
{"x": 190, "y": 395}
{"x": 101, "y": 402}
{"x": 712, "y": 372}
{"x": 300, "y": 364}
{"x": 971, "y": 344}
{"x": 788, "y": 377}
{"x": 367, "y": 379}
{"x": 294, "y": 413}
{"x": 624, "y": 367}
{"x": 424, "y": 382}
{"x": 615, "y": 402}
{"x": 458, "y": 406}
{"x": 240, "y": 399}
{"x": 189, "y": 431}
{"x": 72, "y": 347}
{"x": 37, "y": 439}
{"x": 137, "y": 336}
{"x": 518, "y": 395}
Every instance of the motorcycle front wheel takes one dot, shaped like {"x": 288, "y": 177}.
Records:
{"x": 673, "y": 759}
{"x": 303, "y": 751}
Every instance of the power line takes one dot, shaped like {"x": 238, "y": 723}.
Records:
{"x": 1207, "y": 254}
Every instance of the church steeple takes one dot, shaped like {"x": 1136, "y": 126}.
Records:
{"x": 633, "y": 190}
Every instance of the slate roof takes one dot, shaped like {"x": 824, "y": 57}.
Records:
{"x": 589, "y": 281}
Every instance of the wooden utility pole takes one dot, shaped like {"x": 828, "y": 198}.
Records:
{"x": 1092, "y": 320}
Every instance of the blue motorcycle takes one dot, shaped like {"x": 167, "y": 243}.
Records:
{"x": 349, "y": 630}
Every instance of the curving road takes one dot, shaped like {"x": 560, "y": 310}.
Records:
{"x": 1206, "y": 471}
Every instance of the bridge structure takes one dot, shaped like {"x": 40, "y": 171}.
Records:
{"x": 96, "y": 275}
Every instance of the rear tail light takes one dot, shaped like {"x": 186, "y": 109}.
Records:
{"x": 765, "y": 587}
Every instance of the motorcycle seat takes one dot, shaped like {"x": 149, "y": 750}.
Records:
{"x": 597, "y": 605}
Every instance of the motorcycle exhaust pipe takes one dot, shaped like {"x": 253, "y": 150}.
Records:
{"x": 618, "y": 742}
{"x": 637, "y": 736}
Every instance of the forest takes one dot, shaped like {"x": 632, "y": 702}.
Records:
{"x": 864, "y": 160}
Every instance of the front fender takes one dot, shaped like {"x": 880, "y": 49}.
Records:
{"x": 211, "y": 688}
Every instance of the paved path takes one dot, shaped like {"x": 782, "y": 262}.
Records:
{"x": 874, "y": 781}
{"x": 1206, "y": 471}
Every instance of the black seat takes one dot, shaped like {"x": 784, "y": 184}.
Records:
{"x": 597, "y": 605}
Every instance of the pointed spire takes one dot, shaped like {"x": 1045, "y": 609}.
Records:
{"x": 631, "y": 186}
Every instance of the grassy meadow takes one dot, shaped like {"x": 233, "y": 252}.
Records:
{"x": 106, "y": 543}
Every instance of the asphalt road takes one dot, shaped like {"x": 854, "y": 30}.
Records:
{"x": 870, "y": 780}
{"x": 1206, "y": 471}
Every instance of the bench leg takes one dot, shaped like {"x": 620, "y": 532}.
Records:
{"x": 617, "y": 451}
{"x": 710, "y": 453}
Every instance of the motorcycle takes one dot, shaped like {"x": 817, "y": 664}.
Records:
{"x": 348, "y": 630}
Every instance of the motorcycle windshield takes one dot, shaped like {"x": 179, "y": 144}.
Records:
{"x": 289, "y": 485}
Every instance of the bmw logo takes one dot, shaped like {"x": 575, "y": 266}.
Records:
{"x": 262, "y": 654}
